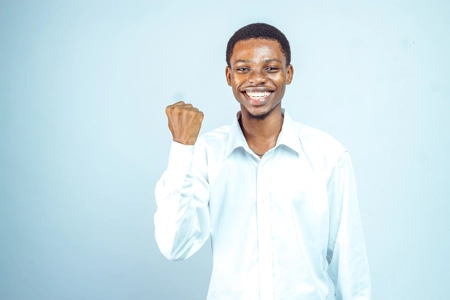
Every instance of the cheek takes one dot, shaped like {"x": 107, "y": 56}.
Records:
{"x": 280, "y": 78}
{"x": 277, "y": 78}
{"x": 236, "y": 81}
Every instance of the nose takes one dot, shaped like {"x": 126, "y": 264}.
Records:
{"x": 256, "y": 77}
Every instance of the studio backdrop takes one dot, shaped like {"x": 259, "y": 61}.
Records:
{"x": 84, "y": 137}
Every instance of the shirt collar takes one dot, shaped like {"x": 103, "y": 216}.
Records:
{"x": 288, "y": 135}
{"x": 236, "y": 138}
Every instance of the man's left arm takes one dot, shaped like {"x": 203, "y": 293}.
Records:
{"x": 348, "y": 265}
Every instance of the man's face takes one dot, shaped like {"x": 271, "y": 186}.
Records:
{"x": 258, "y": 76}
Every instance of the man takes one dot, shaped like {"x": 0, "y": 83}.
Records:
{"x": 277, "y": 198}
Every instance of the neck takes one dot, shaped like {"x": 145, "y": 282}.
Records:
{"x": 261, "y": 133}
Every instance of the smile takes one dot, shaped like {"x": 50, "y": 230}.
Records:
{"x": 258, "y": 95}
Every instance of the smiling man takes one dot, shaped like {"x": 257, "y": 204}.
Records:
{"x": 276, "y": 197}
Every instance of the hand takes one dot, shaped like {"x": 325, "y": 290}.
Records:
{"x": 185, "y": 122}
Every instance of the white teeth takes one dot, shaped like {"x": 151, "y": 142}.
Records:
{"x": 258, "y": 94}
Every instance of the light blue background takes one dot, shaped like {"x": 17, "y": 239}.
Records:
{"x": 84, "y": 138}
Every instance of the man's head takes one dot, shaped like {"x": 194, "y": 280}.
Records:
{"x": 259, "y": 31}
{"x": 259, "y": 69}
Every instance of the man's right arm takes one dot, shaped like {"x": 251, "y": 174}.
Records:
{"x": 182, "y": 223}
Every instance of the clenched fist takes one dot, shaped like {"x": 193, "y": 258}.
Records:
{"x": 185, "y": 122}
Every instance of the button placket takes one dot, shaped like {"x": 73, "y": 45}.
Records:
{"x": 264, "y": 234}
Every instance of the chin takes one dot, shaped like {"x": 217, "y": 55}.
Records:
{"x": 261, "y": 115}
{"x": 260, "y": 112}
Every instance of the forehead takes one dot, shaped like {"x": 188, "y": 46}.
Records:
{"x": 257, "y": 49}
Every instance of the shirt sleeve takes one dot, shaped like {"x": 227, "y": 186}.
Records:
{"x": 182, "y": 222}
{"x": 348, "y": 265}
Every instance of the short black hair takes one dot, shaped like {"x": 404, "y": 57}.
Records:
{"x": 259, "y": 31}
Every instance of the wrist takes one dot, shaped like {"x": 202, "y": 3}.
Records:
{"x": 189, "y": 141}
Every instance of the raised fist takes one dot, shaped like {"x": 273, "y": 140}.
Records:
{"x": 185, "y": 122}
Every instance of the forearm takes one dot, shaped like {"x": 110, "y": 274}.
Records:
{"x": 182, "y": 217}
{"x": 177, "y": 224}
{"x": 348, "y": 265}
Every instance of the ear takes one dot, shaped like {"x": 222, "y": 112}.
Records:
{"x": 228, "y": 74}
{"x": 290, "y": 74}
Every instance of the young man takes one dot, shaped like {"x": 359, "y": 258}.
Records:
{"x": 277, "y": 198}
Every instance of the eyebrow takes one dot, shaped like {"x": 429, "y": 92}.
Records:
{"x": 242, "y": 61}
{"x": 272, "y": 60}
{"x": 246, "y": 61}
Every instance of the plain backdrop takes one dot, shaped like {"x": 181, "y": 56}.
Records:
{"x": 84, "y": 138}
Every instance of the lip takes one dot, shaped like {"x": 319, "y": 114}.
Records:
{"x": 257, "y": 89}
{"x": 257, "y": 101}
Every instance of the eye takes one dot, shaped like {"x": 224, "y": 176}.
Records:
{"x": 272, "y": 69}
{"x": 242, "y": 69}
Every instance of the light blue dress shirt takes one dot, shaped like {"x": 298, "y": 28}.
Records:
{"x": 286, "y": 226}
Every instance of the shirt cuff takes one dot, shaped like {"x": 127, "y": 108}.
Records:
{"x": 180, "y": 158}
